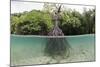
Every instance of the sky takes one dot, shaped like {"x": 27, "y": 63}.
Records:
{"x": 88, "y": 2}
{"x": 17, "y": 6}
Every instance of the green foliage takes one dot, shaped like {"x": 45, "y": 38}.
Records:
{"x": 14, "y": 21}
{"x": 38, "y": 22}
{"x": 34, "y": 22}
{"x": 89, "y": 20}
{"x": 70, "y": 25}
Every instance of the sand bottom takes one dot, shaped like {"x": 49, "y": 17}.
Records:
{"x": 76, "y": 55}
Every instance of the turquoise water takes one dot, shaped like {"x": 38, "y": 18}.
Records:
{"x": 28, "y": 50}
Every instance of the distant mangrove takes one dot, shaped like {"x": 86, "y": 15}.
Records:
{"x": 40, "y": 22}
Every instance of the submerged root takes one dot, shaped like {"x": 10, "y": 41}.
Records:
{"x": 57, "y": 47}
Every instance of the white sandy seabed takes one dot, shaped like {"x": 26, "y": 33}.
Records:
{"x": 76, "y": 55}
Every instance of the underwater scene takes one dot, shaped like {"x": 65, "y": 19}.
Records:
{"x": 28, "y": 50}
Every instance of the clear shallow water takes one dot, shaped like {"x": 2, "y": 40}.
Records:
{"x": 28, "y": 50}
